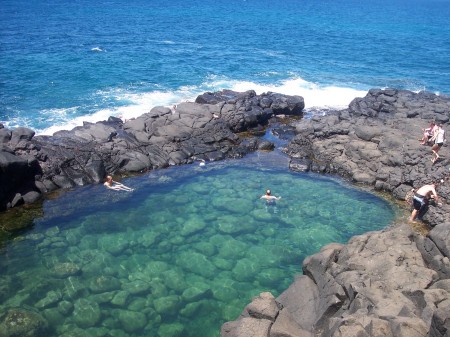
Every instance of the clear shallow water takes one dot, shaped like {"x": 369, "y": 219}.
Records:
{"x": 65, "y": 62}
{"x": 183, "y": 253}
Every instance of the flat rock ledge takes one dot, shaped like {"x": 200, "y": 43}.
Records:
{"x": 208, "y": 129}
{"x": 391, "y": 283}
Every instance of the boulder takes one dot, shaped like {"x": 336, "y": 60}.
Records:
{"x": 15, "y": 175}
{"x": 5, "y": 135}
{"x": 86, "y": 313}
{"x": 378, "y": 284}
{"x": 21, "y": 322}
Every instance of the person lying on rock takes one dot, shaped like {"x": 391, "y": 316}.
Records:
{"x": 421, "y": 198}
{"x": 115, "y": 185}
{"x": 269, "y": 197}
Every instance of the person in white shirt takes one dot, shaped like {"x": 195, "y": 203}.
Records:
{"x": 439, "y": 139}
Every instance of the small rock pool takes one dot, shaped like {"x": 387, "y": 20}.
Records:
{"x": 179, "y": 256}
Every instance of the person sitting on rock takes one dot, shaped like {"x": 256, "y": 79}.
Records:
{"x": 269, "y": 197}
{"x": 115, "y": 185}
{"x": 421, "y": 198}
{"x": 428, "y": 133}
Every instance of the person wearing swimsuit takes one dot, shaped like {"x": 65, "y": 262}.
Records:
{"x": 115, "y": 185}
{"x": 421, "y": 198}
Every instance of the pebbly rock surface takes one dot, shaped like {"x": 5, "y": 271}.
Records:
{"x": 31, "y": 166}
{"x": 390, "y": 283}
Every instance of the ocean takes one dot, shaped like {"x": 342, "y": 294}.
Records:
{"x": 65, "y": 62}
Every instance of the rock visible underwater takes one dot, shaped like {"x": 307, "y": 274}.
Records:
{"x": 390, "y": 283}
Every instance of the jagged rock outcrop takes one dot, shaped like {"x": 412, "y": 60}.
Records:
{"x": 375, "y": 142}
{"x": 388, "y": 283}
{"x": 33, "y": 165}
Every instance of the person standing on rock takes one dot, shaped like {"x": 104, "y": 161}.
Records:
{"x": 439, "y": 139}
{"x": 421, "y": 198}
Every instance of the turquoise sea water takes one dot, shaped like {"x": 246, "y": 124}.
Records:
{"x": 63, "y": 62}
{"x": 183, "y": 253}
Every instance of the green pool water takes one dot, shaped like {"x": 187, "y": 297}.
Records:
{"x": 183, "y": 253}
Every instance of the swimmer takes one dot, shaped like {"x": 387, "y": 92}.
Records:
{"x": 115, "y": 185}
{"x": 269, "y": 197}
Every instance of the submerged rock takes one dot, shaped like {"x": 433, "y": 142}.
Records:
{"x": 50, "y": 299}
{"x": 380, "y": 283}
{"x": 104, "y": 283}
{"x": 168, "y": 305}
{"x": 171, "y": 330}
{"x": 131, "y": 321}
{"x": 66, "y": 269}
{"x": 86, "y": 313}
{"x": 21, "y": 322}
{"x": 388, "y": 283}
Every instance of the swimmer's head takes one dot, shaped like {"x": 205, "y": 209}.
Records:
{"x": 268, "y": 192}
{"x": 108, "y": 178}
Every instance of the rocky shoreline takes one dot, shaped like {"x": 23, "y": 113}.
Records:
{"x": 390, "y": 283}
{"x": 32, "y": 166}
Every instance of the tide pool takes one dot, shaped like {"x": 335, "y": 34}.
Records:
{"x": 183, "y": 253}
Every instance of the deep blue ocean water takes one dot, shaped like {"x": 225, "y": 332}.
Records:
{"x": 64, "y": 62}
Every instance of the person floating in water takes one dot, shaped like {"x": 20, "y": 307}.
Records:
{"x": 269, "y": 197}
{"x": 421, "y": 198}
{"x": 115, "y": 185}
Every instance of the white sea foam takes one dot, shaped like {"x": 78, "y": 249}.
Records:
{"x": 139, "y": 103}
{"x": 316, "y": 97}
{"x": 97, "y": 49}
